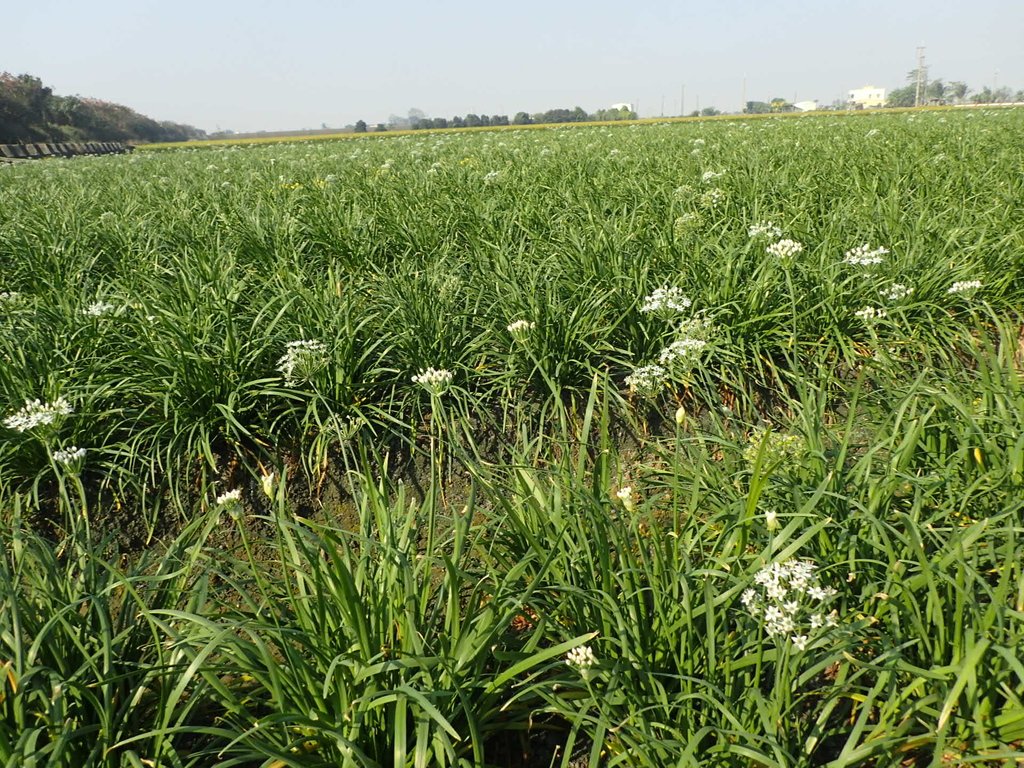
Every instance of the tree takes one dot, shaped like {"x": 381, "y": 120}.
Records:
{"x": 935, "y": 90}
{"x": 957, "y": 90}
{"x": 360, "y": 126}
{"x": 521, "y": 118}
{"x": 458, "y": 122}
{"x": 473, "y": 121}
{"x": 902, "y": 97}
{"x": 614, "y": 114}
{"x": 710, "y": 112}
{"x": 757, "y": 108}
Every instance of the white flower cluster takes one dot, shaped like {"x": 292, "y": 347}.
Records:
{"x": 581, "y": 658}
{"x": 9, "y": 296}
{"x": 964, "y": 286}
{"x": 709, "y": 176}
{"x": 435, "y": 380}
{"x": 871, "y": 313}
{"x": 491, "y": 177}
{"x": 688, "y": 224}
{"x": 683, "y": 193}
{"x": 865, "y": 255}
{"x": 779, "y": 447}
{"x": 666, "y": 301}
{"x": 69, "y": 456}
{"x": 99, "y": 309}
{"x": 784, "y": 250}
{"x": 36, "y": 413}
{"x": 230, "y": 498}
{"x": 790, "y": 601}
{"x": 896, "y": 292}
{"x": 685, "y": 350}
{"x": 764, "y": 229}
{"x": 302, "y": 358}
{"x": 681, "y": 350}
{"x": 647, "y": 380}
{"x": 520, "y": 329}
{"x": 712, "y": 198}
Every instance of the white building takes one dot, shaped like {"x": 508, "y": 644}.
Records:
{"x": 868, "y": 96}
{"x": 806, "y": 106}
{"x": 620, "y": 107}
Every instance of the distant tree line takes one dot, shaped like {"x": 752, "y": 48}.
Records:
{"x": 29, "y": 111}
{"x": 955, "y": 92}
{"x": 418, "y": 120}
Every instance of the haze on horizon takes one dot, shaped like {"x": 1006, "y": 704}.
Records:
{"x": 261, "y": 65}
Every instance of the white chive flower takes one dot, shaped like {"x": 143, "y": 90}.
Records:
{"x": 647, "y": 380}
{"x": 871, "y": 313}
{"x": 666, "y": 300}
{"x": 780, "y": 448}
{"x": 99, "y": 309}
{"x": 581, "y": 658}
{"x": 784, "y": 250}
{"x": 896, "y": 292}
{"x": 788, "y": 601}
{"x": 230, "y": 497}
{"x": 302, "y": 359}
{"x": 964, "y": 286}
{"x": 435, "y": 380}
{"x": 865, "y": 256}
{"x": 683, "y": 350}
{"x": 69, "y": 456}
{"x": 709, "y": 176}
{"x": 36, "y": 413}
{"x": 764, "y": 229}
{"x": 520, "y": 329}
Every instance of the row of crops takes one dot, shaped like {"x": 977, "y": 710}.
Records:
{"x": 654, "y": 445}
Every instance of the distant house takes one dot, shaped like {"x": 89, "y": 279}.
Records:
{"x": 868, "y": 96}
{"x": 805, "y": 106}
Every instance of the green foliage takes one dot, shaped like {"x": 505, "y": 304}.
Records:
{"x": 30, "y": 112}
{"x": 838, "y": 335}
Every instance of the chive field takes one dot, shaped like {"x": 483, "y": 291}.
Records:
{"x": 672, "y": 444}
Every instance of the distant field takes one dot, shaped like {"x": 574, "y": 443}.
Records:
{"x": 680, "y": 442}
{"x": 282, "y": 137}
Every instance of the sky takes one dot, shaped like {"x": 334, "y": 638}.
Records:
{"x": 260, "y": 65}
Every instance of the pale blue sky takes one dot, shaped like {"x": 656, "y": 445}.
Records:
{"x": 260, "y": 65}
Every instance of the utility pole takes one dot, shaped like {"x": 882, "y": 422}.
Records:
{"x": 698, "y": 105}
{"x": 682, "y": 100}
{"x": 743, "y": 98}
{"x": 920, "y": 85}
{"x": 663, "y": 105}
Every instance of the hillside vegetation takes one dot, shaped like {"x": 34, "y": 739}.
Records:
{"x": 30, "y": 112}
